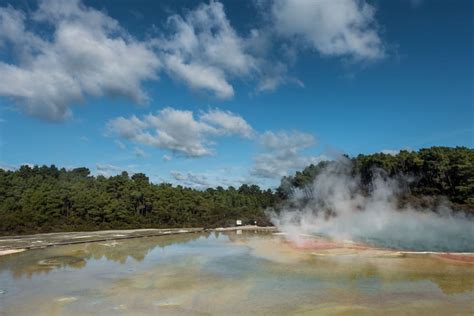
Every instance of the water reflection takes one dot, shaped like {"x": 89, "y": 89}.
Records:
{"x": 42, "y": 261}
{"x": 228, "y": 273}
{"x": 349, "y": 266}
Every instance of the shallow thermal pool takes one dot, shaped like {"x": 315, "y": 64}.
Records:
{"x": 231, "y": 274}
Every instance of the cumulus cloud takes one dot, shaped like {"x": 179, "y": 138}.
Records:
{"x": 88, "y": 54}
{"x": 392, "y": 152}
{"x": 107, "y": 170}
{"x": 275, "y": 166}
{"x": 227, "y": 122}
{"x": 282, "y": 154}
{"x": 65, "y": 52}
{"x": 286, "y": 140}
{"x": 212, "y": 178}
{"x": 12, "y": 167}
{"x": 204, "y": 50}
{"x": 191, "y": 179}
{"x": 177, "y": 175}
{"x": 332, "y": 28}
{"x": 275, "y": 75}
{"x": 179, "y": 131}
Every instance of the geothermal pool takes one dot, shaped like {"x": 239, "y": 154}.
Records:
{"x": 251, "y": 273}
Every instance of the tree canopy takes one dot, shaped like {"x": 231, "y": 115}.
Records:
{"x": 435, "y": 171}
{"x": 45, "y": 199}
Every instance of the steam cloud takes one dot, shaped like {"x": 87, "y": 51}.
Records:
{"x": 335, "y": 206}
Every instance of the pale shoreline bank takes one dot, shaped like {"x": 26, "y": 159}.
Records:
{"x": 15, "y": 244}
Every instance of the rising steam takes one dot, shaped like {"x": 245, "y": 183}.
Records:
{"x": 338, "y": 207}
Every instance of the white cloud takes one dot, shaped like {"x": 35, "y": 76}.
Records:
{"x": 179, "y": 131}
{"x": 224, "y": 176}
{"x": 88, "y": 54}
{"x": 14, "y": 167}
{"x": 8, "y": 167}
{"x": 107, "y": 170}
{"x": 227, "y": 122}
{"x": 140, "y": 153}
{"x": 167, "y": 158}
{"x": 331, "y": 27}
{"x": 178, "y": 176}
{"x": 392, "y": 152}
{"x": 273, "y": 166}
{"x": 286, "y": 140}
{"x": 274, "y": 76}
{"x": 204, "y": 50}
{"x": 191, "y": 179}
{"x": 281, "y": 154}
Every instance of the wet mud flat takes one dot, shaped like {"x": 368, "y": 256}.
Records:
{"x": 12, "y": 244}
{"x": 15, "y": 244}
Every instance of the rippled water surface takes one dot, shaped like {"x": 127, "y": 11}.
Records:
{"x": 229, "y": 274}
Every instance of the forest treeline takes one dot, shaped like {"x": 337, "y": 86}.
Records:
{"x": 45, "y": 199}
{"x": 440, "y": 172}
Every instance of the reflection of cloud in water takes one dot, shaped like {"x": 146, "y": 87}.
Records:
{"x": 226, "y": 273}
{"x": 39, "y": 261}
{"x": 348, "y": 265}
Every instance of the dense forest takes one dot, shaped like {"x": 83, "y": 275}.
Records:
{"x": 436, "y": 172}
{"x": 44, "y": 199}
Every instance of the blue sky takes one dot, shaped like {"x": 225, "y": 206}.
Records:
{"x": 221, "y": 93}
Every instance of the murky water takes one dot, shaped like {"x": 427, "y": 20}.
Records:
{"x": 229, "y": 274}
